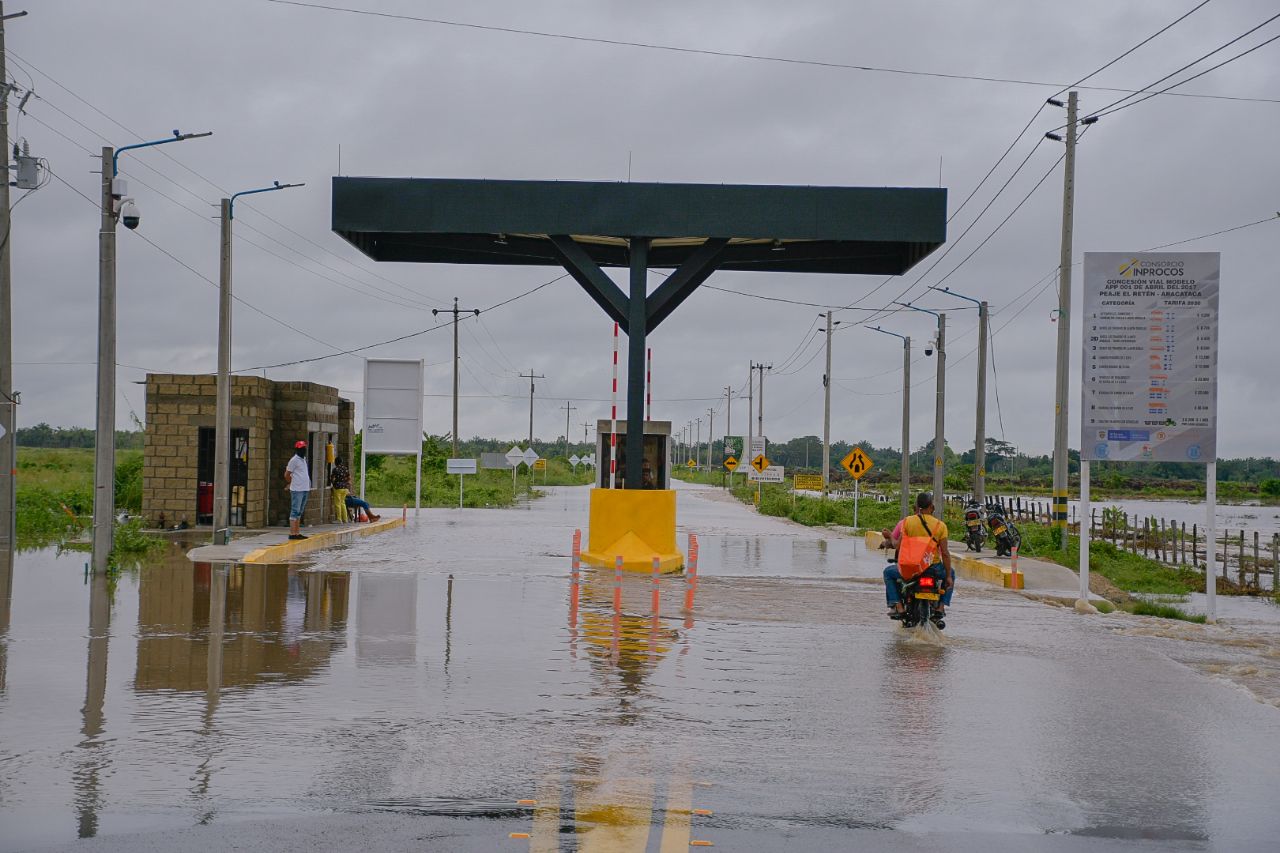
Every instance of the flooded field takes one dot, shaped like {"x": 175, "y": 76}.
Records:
{"x": 410, "y": 690}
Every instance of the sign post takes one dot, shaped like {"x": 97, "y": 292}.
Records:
{"x": 857, "y": 463}
{"x": 460, "y": 467}
{"x": 393, "y": 415}
{"x": 732, "y": 455}
{"x": 515, "y": 456}
{"x": 1149, "y": 373}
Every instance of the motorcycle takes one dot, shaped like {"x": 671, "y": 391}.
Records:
{"x": 921, "y": 598}
{"x": 1004, "y": 532}
{"x": 975, "y": 536}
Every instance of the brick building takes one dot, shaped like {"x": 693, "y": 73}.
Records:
{"x": 267, "y": 417}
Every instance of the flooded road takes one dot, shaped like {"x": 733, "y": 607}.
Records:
{"x": 407, "y": 691}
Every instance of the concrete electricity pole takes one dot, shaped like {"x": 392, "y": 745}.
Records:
{"x": 1064, "y": 327}
{"x": 905, "y": 498}
{"x": 8, "y": 397}
{"x": 980, "y": 417}
{"x": 751, "y": 385}
{"x": 531, "y": 376}
{"x": 568, "y": 407}
{"x": 826, "y": 410}
{"x": 455, "y": 311}
{"x": 760, "y": 411}
{"x": 939, "y": 440}
{"x": 115, "y": 206}
{"x": 711, "y": 435}
{"x": 697, "y": 448}
{"x": 222, "y": 408}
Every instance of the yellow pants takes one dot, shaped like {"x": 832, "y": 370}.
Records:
{"x": 340, "y": 505}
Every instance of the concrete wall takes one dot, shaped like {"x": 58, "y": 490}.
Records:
{"x": 276, "y": 414}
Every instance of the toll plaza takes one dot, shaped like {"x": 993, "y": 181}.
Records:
{"x": 691, "y": 229}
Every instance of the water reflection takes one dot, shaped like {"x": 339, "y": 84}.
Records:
{"x": 265, "y": 624}
{"x": 92, "y": 759}
{"x": 6, "y": 601}
{"x": 387, "y": 619}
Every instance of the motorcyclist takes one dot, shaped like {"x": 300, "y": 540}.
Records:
{"x": 921, "y": 524}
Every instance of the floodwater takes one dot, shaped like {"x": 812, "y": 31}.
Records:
{"x": 407, "y": 691}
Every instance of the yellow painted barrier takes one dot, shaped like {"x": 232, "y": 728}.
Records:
{"x": 286, "y": 550}
{"x": 636, "y": 525}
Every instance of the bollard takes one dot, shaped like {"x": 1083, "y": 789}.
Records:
{"x": 617, "y": 584}
{"x": 657, "y": 569}
{"x": 1015, "y": 579}
{"x": 404, "y": 514}
{"x": 691, "y": 577}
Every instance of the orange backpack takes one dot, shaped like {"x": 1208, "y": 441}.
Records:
{"x": 916, "y": 553}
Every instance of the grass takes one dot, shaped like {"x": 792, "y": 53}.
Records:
{"x": 390, "y": 483}
{"x": 1164, "y": 611}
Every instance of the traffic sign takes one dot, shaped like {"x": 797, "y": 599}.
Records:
{"x": 691, "y": 463}
{"x": 539, "y": 464}
{"x": 515, "y": 456}
{"x": 759, "y": 444}
{"x": 731, "y": 463}
{"x": 808, "y": 482}
{"x": 460, "y": 466}
{"x": 771, "y": 474}
{"x": 531, "y": 456}
{"x": 857, "y": 463}
{"x": 760, "y": 463}
{"x": 574, "y": 460}
{"x": 733, "y": 446}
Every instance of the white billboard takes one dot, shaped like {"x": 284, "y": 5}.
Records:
{"x": 1150, "y": 357}
{"x": 392, "y": 406}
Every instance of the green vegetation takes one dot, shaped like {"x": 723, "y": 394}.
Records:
{"x": 1164, "y": 611}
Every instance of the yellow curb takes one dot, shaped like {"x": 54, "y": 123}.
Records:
{"x": 286, "y": 550}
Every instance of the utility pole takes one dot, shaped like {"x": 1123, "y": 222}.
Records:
{"x": 222, "y": 408}
{"x": 455, "y": 311}
{"x": 531, "y": 376}
{"x": 905, "y": 498}
{"x": 728, "y": 426}
{"x": 980, "y": 416}
{"x": 114, "y": 192}
{"x": 568, "y": 407}
{"x": 586, "y": 426}
{"x": 826, "y": 413}
{"x": 1064, "y": 329}
{"x": 751, "y": 386}
{"x": 760, "y": 416}
{"x": 8, "y": 397}
{"x": 697, "y": 448}
{"x": 711, "y": 435}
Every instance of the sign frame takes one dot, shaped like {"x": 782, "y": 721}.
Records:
{"x": 400, "y": 393}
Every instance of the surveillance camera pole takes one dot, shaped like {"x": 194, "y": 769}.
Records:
{"x": 905, "y": 498}
{"x": 104, "y": 445}
{"x": 222, "y": 416}
{"x": 939, "y": 442}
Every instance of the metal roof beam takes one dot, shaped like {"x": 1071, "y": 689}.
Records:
{"x": 684, "y": 281}
{"x": 587, "y": 273}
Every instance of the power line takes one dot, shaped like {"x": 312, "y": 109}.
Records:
{"x": 756, "y": 57}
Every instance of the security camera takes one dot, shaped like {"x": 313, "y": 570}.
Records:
{"x": 130, "y": 215}
{"x": 928, "y": 348}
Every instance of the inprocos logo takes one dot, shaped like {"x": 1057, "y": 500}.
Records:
{"x": 1152, "y": 268}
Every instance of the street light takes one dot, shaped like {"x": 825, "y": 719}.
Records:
{"x": 980, "y": 418}
{"x": 222, "y": 424}
{"x": 115, "y": 207}
{"x": 906, "y": 417}
{"x": 939, "y": 443}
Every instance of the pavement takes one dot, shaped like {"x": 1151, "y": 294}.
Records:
{"x": 275, "y": 546}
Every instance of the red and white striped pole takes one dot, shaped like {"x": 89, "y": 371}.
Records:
{"x": 575, "y": 579}
{"x": 691, "y": 579}
{"x": 657, "y": 574}
{"x": 617, "y": 584}
{"x": 613, "y": 429}
{"x": 648, "y": 385}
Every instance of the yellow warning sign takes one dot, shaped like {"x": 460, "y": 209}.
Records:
{"x": 857, "y": 463}
{"x": 731, "y": 463}
{"x": 692, "y": 464}
{"x": 808, "y": 482}
{"x": 540, "y": 465}
{"x": 760, "y": 463}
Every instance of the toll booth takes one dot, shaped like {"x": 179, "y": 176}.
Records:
{"x": 656, "y": 465}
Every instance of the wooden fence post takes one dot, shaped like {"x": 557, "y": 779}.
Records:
{"x": 1195, "y": 536}
{"x": 1146, "y": 536}
{"x": 1257, "y": 567}
{"x": 1182, "y": 545}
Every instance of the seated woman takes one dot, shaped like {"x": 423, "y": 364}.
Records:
{"x": 356, "y": 504}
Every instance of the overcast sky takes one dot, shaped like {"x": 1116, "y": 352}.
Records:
{"x": 283, "y": 87}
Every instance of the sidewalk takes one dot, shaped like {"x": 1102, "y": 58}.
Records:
{"x": 274, "y": 546}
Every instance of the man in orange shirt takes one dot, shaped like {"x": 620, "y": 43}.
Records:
{"x": 922, "y": 524}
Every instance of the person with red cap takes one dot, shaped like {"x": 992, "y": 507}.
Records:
{"x": 298, "y": 477}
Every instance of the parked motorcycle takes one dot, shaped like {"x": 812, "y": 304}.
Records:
{"x": 921, "y": 597}
{"x": 975, "y": 535}
{"x": 1004, "y": 533}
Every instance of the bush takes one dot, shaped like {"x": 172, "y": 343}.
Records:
{"x": 1270, "y": 488}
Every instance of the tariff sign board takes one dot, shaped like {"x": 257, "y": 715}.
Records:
{"x": 772, "y": 474}
{"x": 392, "y": 406}
{"x": 1149, "y": 380}
{"x": 808, "y": 482}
